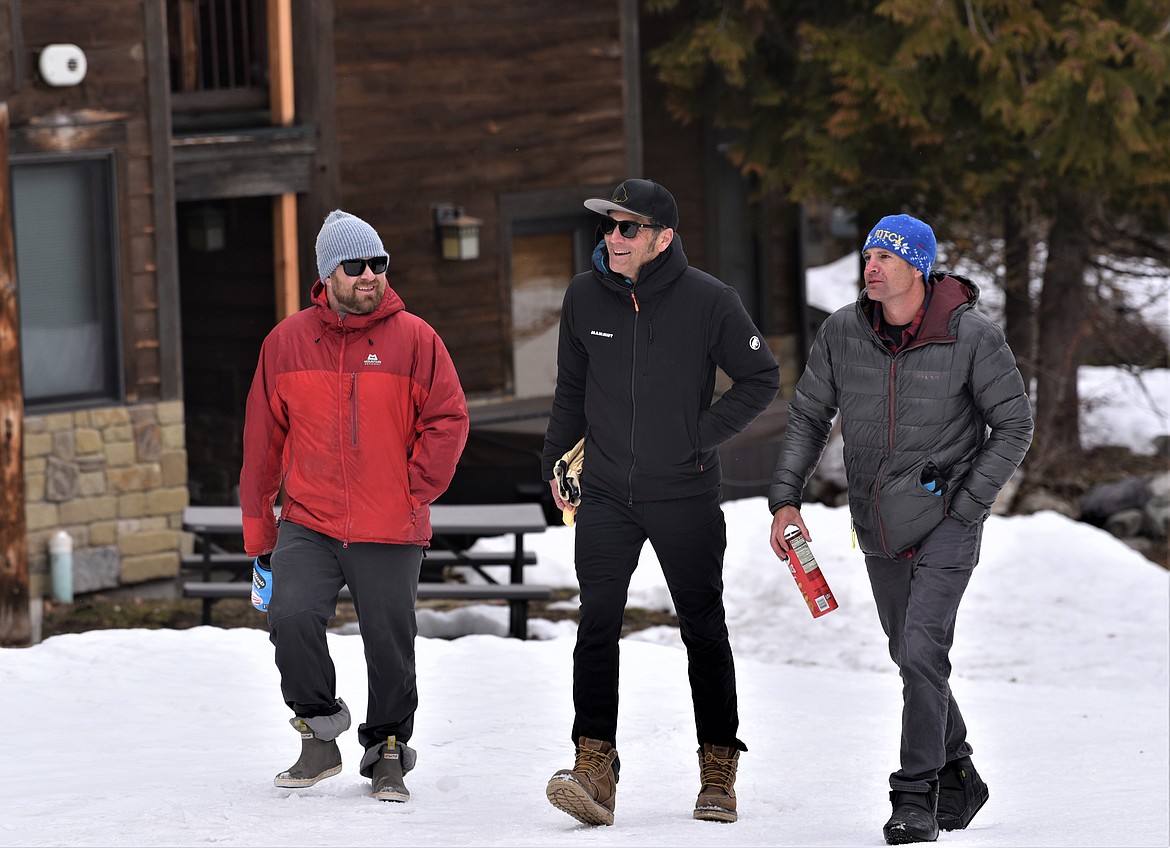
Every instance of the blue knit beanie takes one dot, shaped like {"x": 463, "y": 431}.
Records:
{"x": 907, "y": 237}
{"x": 344, "y": 237}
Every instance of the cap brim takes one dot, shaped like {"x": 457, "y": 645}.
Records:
{"x": 604, "y": 207}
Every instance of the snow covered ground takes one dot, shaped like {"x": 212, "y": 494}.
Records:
{"x": 171, "y": 738}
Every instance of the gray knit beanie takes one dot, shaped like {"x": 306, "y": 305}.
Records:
{"x": 344, "y": 237}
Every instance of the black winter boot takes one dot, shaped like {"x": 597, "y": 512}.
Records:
{"x": 913, "y": 819}
{"x": 961, "y": 794}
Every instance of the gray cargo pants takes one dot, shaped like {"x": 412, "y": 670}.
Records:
{"x": 308, "y": 570}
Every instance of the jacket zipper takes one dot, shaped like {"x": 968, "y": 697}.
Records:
{"x": 633, "y": 402}
{"x": 877, "y": 494}
{"x": 353, "y": 409}
{"x": 341, "y": 426}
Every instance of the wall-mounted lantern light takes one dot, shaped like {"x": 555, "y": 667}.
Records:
{"x": 457, "y": 232}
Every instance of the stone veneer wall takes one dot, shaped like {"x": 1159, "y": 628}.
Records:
{"x": 115, "y": 479}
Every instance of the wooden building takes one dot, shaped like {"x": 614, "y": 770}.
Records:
{"x": 171, "y": 162}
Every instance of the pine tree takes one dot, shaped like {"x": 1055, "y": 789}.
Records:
{"x": 977, "y": 115}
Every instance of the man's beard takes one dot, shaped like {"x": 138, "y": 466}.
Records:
{"x": 350, "y": 302}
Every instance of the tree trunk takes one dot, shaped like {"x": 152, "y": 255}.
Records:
{"x": 15, "y": 627}
{"x": 1018, "y": 315}
{"x": 1063, "y": 325}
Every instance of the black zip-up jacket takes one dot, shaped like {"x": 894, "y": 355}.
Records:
{"x": 949, "y": 407}
{"x": 636, "y": 375}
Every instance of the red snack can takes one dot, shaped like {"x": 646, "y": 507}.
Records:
{"x": 807, "y": 573}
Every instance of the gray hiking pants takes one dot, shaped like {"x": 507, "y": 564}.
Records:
{"x": 308, "y": 571}
{"x": 917, "y": 602}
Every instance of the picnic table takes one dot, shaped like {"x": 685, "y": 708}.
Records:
{"x": 452, "y": 524}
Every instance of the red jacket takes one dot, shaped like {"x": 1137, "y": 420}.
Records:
{"x": 361, "y": 417}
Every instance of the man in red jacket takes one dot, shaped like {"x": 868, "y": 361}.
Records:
{"x": 356, "y": 409}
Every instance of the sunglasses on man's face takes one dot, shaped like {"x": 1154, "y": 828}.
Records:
{"x": 355, "y": 267}
{"x": 628, "y": 229}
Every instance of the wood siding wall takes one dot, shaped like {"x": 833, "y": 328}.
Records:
{"x": 8, "y": 24}
{"x": 463, "y": 101}
{"x": 108, "y": 111}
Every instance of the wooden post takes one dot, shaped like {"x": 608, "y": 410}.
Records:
{"x": 284, "y": 248}
{"x": 15, "y": 626}
{"x": 284, "y": 206}
{"x": 315, "y": 69}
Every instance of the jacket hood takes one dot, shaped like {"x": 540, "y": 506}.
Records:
{"x": 952, "y": 296}
{"x": 390, "y": 304}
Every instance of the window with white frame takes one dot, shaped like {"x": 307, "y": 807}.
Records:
{"x": 66, "y": 256}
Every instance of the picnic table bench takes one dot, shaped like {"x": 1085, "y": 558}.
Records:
{"x": 435, "y": 560}
{"x": 451, "y": 524}
{"x": 517, "y": 596}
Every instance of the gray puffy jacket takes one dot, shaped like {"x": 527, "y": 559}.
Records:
{"x": 951, "y": 404}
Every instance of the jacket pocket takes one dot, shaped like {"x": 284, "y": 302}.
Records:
{"x": 932, "y": 480}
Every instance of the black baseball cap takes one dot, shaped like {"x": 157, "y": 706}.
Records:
{"x": 639, "y": 197}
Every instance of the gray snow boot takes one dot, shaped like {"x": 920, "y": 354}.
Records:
{"x": 387, "y": 765}
{"x": 320, "y": 757}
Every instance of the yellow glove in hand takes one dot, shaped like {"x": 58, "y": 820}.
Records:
{"x": 567, "y": 472}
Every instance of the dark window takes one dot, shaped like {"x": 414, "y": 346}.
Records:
{"x": 219, "y": 64}
{"x": 66, "y": 283}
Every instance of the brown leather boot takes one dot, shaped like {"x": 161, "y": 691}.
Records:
{"x": 716, "y": 801}
{"x": 587, "y": 790}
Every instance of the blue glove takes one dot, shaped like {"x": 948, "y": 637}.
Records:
{"x": 262, "y": 582}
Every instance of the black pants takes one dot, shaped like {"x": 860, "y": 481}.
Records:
{"x": 917, "y": 602}
{"x": 308, "y": 570}
{"x": 689, "y": 535}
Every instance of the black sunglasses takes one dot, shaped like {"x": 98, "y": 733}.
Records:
{"x": 354, "y": 267}
{"x": 628, "y": 229}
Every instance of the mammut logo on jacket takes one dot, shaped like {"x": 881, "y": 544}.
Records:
{"x": 373, "y": 359}
{"x": 599, "y": 333}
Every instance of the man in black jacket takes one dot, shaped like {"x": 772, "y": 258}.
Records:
{"x": 641, "y": 336}
{"x": 935, "y": 420}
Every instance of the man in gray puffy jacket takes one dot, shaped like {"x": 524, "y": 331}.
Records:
{"x": 935, "y": 419}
